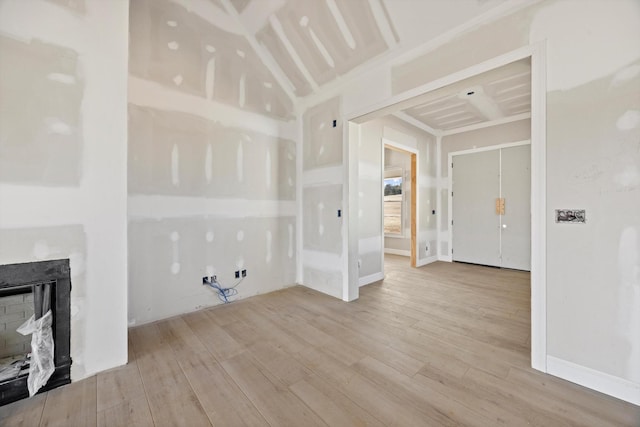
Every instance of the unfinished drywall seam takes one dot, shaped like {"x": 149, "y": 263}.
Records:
{"x": 402, "y": 54}
{"x": 144, "y": 93}
{"x": 382, "y": 21}
{"x": 266, "y": 58}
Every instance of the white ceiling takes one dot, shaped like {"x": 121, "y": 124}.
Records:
{"x": 496, "y": 95}
{"x": 309, "y": 43}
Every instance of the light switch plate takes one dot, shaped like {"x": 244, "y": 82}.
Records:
{"x": 574, "y": 216}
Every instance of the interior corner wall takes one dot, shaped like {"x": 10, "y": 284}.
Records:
{"x": 63, "y": 154}
{"x": 593, "y": 125}
{"x": 212, "y": 173}
{"x": 370, "y": 235}
{"x": 322, "y": 197}
{"x": 494, "y": 135}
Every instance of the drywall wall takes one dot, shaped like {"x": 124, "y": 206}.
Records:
{"x": 212, "y": 164}
{"x": 63, "y": 159}
{"x": 197, "y": 52}
{"x": 593, "y": 289}
{"x": 370, "y": 235}
{"x": 494, "y": 135}
{"x": 322, "y": 197}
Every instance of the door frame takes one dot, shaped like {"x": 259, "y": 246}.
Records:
{"x": 450, "y": 156}
{"x": 537, "y": 52}
{"x": 413, "y": 209}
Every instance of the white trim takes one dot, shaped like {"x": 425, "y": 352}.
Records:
{"x": 438, "y": 197}
{"x": 450, "y": 181}
{"x": 445, "y": 258}
{"x": 300, "y": 202}
{"x": 398, "y": 146}
{"x": 539, "y": 206}
{"x": 382, "y": 160}
{"x": 402, "y": 252}
{"x": 424, "y": 261}
{"x": 372, "y": 278}
{"x": 605, "y": 383}
{"x": 496, "y": 122}
{"x": 417, "y": 123}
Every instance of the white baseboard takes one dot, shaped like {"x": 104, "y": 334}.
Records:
{"x": 425, "y": 261}
{"x": 397, "y": 252}
{"x": 445, "y": 258}
{"x": 596, "y": 380}
{"x": 366, "y": 280}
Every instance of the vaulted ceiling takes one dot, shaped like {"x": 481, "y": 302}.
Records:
{"x": 264, "y": 55}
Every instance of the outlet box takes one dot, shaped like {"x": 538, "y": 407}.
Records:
{"x": 237, "y": 274}
{"x": 244, "y": 273}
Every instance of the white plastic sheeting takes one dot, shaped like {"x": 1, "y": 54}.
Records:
{"x": 42, "y": 364}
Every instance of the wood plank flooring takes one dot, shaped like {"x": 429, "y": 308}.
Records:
{"x": 445, "y": 344}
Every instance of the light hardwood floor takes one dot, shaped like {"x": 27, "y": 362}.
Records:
{"x": 445, "y": 344}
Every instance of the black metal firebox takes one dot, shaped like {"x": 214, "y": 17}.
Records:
{"x": 50, "y": 283}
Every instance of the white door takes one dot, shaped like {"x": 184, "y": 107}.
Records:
{"x": 481, "y": 235}
{"x": 476, "y": 184}
{"x": 516, "y": 221}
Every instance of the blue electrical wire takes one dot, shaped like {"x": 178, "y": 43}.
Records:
{"x": 223, "y": 293}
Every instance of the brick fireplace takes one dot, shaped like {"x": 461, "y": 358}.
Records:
{"x": 26, "y": 289}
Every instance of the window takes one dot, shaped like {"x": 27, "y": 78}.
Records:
{"x": 393, "y": 205}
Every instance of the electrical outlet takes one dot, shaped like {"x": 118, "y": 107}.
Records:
{"x": 214, "y": 279}
{"x": 237, "y": 274}
{"x": 244, "y": 273}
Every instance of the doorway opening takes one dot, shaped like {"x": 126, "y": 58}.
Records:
{"x": 406, "y": 106}
{"x": 399, "y": 201}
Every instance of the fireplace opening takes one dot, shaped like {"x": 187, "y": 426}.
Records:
{"x": 32, "y": 289}
{"x": 16, "y": 306}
